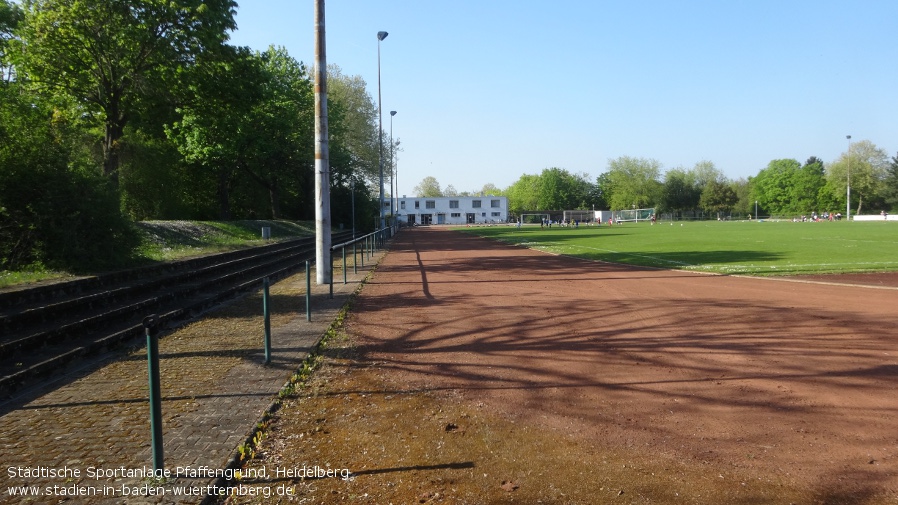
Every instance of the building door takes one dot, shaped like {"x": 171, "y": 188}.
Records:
{"x": 470, "y": 217}
{"x": 426, "y": 219}
{"x": 441, "y": 218}
{"x": 410, "y": 219}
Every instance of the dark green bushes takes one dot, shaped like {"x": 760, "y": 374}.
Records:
{"x": 54, "y": 212}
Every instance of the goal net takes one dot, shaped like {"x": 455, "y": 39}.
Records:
{"x": 583, "y": 216}
{"x": 636, "y": 215}
{"x": 534, "y": 218}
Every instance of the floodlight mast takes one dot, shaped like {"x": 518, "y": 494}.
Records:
{"x": 392, "y": 169}
{"x": 323, "y": 263}
{"x": 380, "y": 129}
{"x": 848, "y": 183}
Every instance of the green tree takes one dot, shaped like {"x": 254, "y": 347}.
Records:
{"x": 583, "y": 192}
{"x": 602, "y": 192}
{"x": 703, "y": 173}
{"x": 679, "y": 191}
{"x": 354, "y": 157}
{"x": 558, "y": 189}
{"x": 867, "y": 166}
{"x": 634, "y": 182}
{"x": 890, "y": 185}
{"x": 718, "y": 197}
{"x": 772, "y": 187}
{"x": 787, "y": 188}
{"x": 54, "y": 212}
{"x": 104, "y": 54}
{"x": 745, "y": 205}
{"x": 248, "y": 128}
{"x": 553, "y": 189}
{"x": 429, "y": 187}
{"x": 225, "y": 90}
{"x": 356, "y": 133}
{"x": 806, "y": 184}
{"x": 490, "y": 189}
{"x": 154, "y": 184}
{"x": 10, "y": 17}
{"x": 275, "y": 151}
{"x": 523, "y": 194}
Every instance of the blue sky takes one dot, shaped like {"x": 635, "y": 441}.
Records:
{"x": 486, "y": 91}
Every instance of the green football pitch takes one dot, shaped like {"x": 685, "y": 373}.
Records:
{"x": 729, "y": 247}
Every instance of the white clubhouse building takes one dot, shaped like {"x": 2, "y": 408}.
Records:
{"x": 455, "y": 210}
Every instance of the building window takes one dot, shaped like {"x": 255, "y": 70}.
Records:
{"x": 402, "y": 205}
{"x": 496, "y": 214}
{"x": 494, "y": 204}
{"x": 456, "y": 214}
{"x": 430, "y": 204}
{"x": 417, "y": 204}
{"x": 475, "y": 204}
{"x": 453, "y": 204}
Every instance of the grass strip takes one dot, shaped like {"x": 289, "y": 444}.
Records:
{"x": 739, "y": 247}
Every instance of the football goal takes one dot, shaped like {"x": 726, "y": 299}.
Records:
{"x": 637, "y": 215}
{"x": 533, "y": 218}
{"x": 583, "y": 216}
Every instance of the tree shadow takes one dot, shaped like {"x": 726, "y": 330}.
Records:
{"x": 587, "y": 341}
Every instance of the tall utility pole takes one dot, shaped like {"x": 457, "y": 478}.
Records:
{"x": 848, "y": 183}
{"x": 323, "y": 263}
{"x": 380, "y": 131}
{"x": 392, "y": 170}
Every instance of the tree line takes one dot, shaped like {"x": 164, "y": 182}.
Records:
{"x": 115, "y": 111}
{"x": 785, "y": 188}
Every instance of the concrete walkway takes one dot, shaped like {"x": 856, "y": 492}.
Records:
{"x": 85, "y": 438}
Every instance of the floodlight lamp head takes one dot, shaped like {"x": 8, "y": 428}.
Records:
{"x": 382, "y": 35}
{"x": 392, "y": 112}
{"x": 848, "y": 137}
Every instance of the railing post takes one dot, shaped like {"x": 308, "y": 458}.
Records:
{"x": 308, "y": 293}
{"x": 355, "y": 262}
{"x": 344, "y": 264}
{"x": 149, "y": 324}
{"x": 266, "y": 314}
